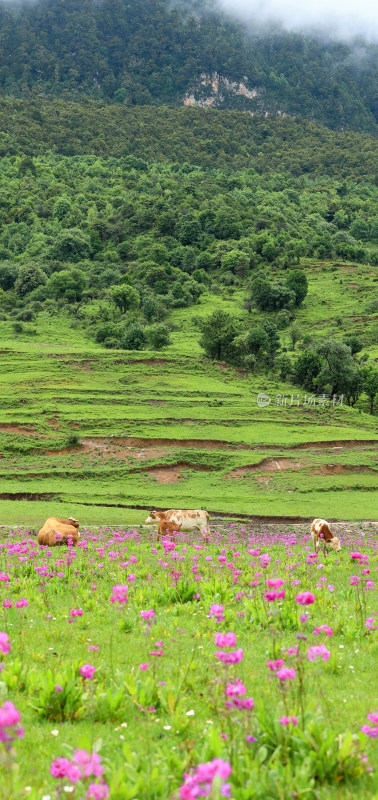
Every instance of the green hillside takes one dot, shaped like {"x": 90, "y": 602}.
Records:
{"x": 119, "y": 388}
{"x": 104, "y": 435}
{"x": 155, "y": 52}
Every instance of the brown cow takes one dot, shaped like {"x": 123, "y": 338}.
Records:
{"x": 58, "y": 531}
{"x": 167, "y": 528}
{"x": 322, "y": 534}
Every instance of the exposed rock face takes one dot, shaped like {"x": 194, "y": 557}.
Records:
{"x": 210, "y": 90}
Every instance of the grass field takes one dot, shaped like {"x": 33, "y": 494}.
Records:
{"x": 155, "y": 706}
{"x": 174, "y": 429}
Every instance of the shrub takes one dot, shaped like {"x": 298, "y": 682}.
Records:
{"x": 158, "y": 336}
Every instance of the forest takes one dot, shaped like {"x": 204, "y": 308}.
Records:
{"x": 125, "y": 241}
{"x": 154, "y": 52}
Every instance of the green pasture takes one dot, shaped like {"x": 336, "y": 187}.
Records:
{"x": 87, "y": 426}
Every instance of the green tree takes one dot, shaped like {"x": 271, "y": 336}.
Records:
{"x": 68, "y": 285}
{"x": 360, "y": 229}
{"x": 370, "y": 384}
{"x": 158, "y": 336}
{"x": 236, "y": 261}
{"x": 354, "y": 343}
{"x": 284, "y": 366}
{"x": 62, "y": 207}
{"x": 30, "y": 277}
{"x": 218, "y": 332}
{"x": 134, "y": 337}
{"x": 257, "y": 341}
{"x": 295, "y": 333}
{"x": 8, "y": 274}
{"x": 71, "y": 245}
{"x": 298, "y": 283}
{"x": 338, "y": 372}
{"x": 273, "y": 339}
{"x": 125, "y": 297}
{"x": 307, "y": 368}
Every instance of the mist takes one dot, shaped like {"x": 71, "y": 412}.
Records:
{"x": 332, "y": 19}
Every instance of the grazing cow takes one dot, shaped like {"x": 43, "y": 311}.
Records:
{"x": 58, "y": 531}
{"x": 167, "y": 528}
{"x": 321, "y": 533}
{"x": 184, "y": 520}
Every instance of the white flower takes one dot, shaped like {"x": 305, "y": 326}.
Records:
{"x": 167, "y": 727}
{"x": 341, "y": 645}
{"x": 46, "y": 797}
{"x": 28, "y": 788}
{"x": 55, "y": 732}
{"x": 190, "y": 713}
{"x": 123, "y": 724}
{"x": 68, "y": 788}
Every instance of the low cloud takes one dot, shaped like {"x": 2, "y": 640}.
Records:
{"x": 335, "y": 19}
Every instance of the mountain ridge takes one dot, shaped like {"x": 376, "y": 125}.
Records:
{"x": 151, "y": 53}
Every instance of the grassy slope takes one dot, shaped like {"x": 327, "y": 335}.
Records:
{"x": 58, "y": 382}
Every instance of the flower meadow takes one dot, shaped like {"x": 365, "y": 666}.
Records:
{"x": 241, "y": 666}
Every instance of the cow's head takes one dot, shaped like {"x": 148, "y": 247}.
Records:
{"x": 154, "y": 516}
{"x": 73, "y": 521}
{"x": 335, "y": 544}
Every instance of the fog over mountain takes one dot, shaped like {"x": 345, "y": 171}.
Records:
{"x": 338, "y": 19}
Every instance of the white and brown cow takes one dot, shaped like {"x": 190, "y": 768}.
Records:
{"x": 59, "y": 531}
{"x": 183, "y": 520}
{"x": 321, "y": 534}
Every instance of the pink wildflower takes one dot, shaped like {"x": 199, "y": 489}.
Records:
{"x": 369, "y": 624}
{"x": 235, "y": 689}
{"x": 76, "y": 612}
{"x": 286, "y": 673}
{"x": 274, "y": 594}
{"x": 87, "y": 671}
{"x": 120, "y": 594}
{"x": 305, "y": 598}
{"x": 59, "y": 767}
{"x": 98, "y": 791}
{"x": 274, "y": 583}
{"x": 4, "y": 644}
{"x": 372, "y": 732}
{"x": 323, "y": 628}
{"x": 225, "y": 639}
{"x": 22, "y": 603}
{"x": 275, "y": 665}
{"x": 319, "y": 651}
{"x": 288, "y": 721}
{"x": 143, "y": 666}
{"x": 216, "y": 611}
{"x": 73, "y": 773}
{"x": 88, "y": 763}
{"x": 234, "y": 657}
{"x": 150, "y": 614}
{"x": 200, "y": 783}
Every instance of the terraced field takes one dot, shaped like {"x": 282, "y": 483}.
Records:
{"x": 105, "y": 435}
